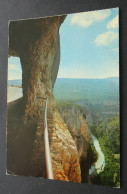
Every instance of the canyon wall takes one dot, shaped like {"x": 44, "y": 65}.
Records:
{"x": 75, "y": 119}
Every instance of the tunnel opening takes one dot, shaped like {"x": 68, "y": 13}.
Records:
{"x": 14, "y": 71}
{"x": 14, "y": 79}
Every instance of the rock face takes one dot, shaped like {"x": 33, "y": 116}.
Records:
{"x": 37, "y": 44}
{"x": 64, "y": 152}
{"x": 63, "y": 149}
{"x": 75, "y": 119}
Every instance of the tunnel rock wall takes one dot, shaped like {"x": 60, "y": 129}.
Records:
{"x": 36, "y": 42}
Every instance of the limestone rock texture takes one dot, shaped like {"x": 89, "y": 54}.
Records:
{"x": 65, "y": 158}
{"x": 75, "y": 120}
{"x": 36, "y": 42}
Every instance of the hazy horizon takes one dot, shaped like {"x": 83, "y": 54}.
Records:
{"x": 73, "y": 78}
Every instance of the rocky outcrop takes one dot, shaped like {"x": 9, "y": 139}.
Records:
{"x": 64, "y": 152}
{"x": 75, "y": 119}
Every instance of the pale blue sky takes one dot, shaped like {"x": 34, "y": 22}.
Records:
{"x": 89, "y": 46}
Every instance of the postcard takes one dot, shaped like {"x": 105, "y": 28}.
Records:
{"x": 63, "y": 98}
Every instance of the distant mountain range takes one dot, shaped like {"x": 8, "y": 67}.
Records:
{"x": 111, "y": 79}
{"x": 89, "y": 89}
{"x": 16, "y": 82}
{"x": 80, "y": 89}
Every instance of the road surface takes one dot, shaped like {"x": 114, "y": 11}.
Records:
{"x": 13, "y": 93}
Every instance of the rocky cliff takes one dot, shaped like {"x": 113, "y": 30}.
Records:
{"x": 64, "y": 152}
{"x": 75, "y": 119}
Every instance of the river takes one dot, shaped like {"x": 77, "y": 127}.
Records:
{"x": 100, "y": 163}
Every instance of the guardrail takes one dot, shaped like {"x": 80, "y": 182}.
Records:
{"x": 49, "y": 169}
